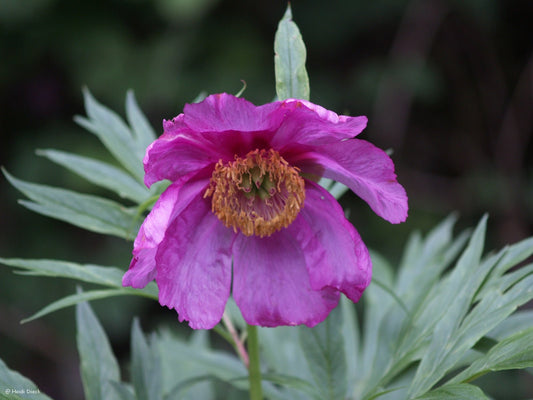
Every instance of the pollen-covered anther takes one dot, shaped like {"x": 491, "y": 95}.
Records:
{"x": 258, "y": 194}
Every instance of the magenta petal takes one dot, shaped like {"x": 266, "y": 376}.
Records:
{"x": 310, "y": 124}
{"x": 366, "y": 170}
{"x": 194, "y": 265}
{"x": 336, "y": 255}
{"x": 171, "y": 202}
{"x": 271, "y": 283}
{"x": 176, "y": 158}
{"x": 177, "y": 153}
{"x": 224, "y": 112}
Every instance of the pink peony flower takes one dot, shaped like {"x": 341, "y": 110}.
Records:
{"x": 244, "y": 210}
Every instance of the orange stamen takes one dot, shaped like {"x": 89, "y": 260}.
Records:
{"x": 258, "y": 194}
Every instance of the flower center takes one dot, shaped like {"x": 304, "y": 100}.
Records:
{"x": 258, "y": 194}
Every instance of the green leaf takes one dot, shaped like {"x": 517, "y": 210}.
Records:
{"x": 283, "y": 358}
{"x": 143, "y": 132}
{"x": 123, "y": 390}
{"x": 89, "y": 212}
{"x": 293, "y": 382}
{"x": 100, "y": 173}
{"x": 114, "y": 134}
{"x": 185, "y": 388}
{"x": 514, "y": 352}
{"x": 454, "y": 314}
{"x": 456, "y": 392}
{"x": 507, "y": 258}
{"x": 289, "y": 61}
{"x": 184, "y": 360}
{"x": 78, "y": 298}
{"x": 350, "y": 332}
{"x": 107, "y": 276}
{"x": 424, "y": 262}
{"x": 14, "y": 386}
{"x": 456, "y": 292}
{"x": 381, "y": 311}
{"x": 323, "y": 348}
{"x": 146, "y": 372}
{"x": 97, "y": 362}
{"x": 517, "y": 322}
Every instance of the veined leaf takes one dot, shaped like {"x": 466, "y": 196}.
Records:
{"x": 293, "y": 382}
{"x": 11, "y": 383}
{"x": 146, "y": 374}
{"x": 508, "y": 257}
{"x": 281, "y": 355}
{"x": 350, "y": 331}
{"x": 143, "y": 132}
{"x": 456, "y": 292}
{"x": 182, "y": 361}
{"x": 89, "y": 212}
{"x": 107, "y": 276}
{"x": 468, "y": 305}
{"x": 456, "y": 392}
{"x": 123, "y": 390}
{"x": 114, "y": 134}
{"x": 323, "y": 348}
{"x": 513, "y": 352}
{"x": 98, "y": 364}
{"x": 100, "y": 173}
{"x": 519, "y": 321}
{"x": 80, "y": 297}
{"x": 289, "y": 61}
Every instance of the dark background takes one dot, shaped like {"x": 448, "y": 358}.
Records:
{"x": 448, "y": 85}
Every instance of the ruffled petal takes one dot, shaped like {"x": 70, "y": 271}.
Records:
{"x": 194, "y": 265}
{"x": 177, "y": 153}
{"x": 224, "y": 112}
{"x": 367, "y": 170}
{"x": 271, "y": 283}
{"x": 336, "y": 255}
{"x": 171, "y": 202}
{"x": 311, "y": 124}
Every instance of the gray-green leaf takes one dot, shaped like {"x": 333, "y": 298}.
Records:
{"x": 289, "y": 61}
{"x": 14, "y": 386}
{"x": 512, "y": 353}
{"x": 456, "y": 392}
{"x": 100, "y": 173}
{"x": 323, "y": 347}
{"x": 98, "y": 364}
{"x": 143, "y": 132}
{"x": 78, "y": 298}
{"x": 114, "y": 134}
{"x": 146, "y": 374}
{"x": 86, "y": 211}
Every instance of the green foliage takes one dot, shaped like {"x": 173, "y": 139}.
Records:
{"x": 289, "y": 61}
{"x": 106, "y": 276}
{"x": 457, "y": 392}
{"x": 14, "y": 386}
{"x": 323, "y": 348}
{"x": 429, "y": 327}
{"x": 93, "y": 213}
{"x": 98, "y": 365}
{"x": 449, "y": 314}
{"x": 146, "y": 367}
{"x": 99, "y": 173}
{"x": 127, "y": 144}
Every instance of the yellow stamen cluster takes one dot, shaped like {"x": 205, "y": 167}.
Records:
{"x": 258, "y": 194}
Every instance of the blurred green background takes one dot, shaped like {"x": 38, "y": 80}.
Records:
{"x": 448, "y": 85}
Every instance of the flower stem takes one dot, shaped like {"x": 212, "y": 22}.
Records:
{"x": 235, "y": 340}
{"x": 254, "y": 372}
